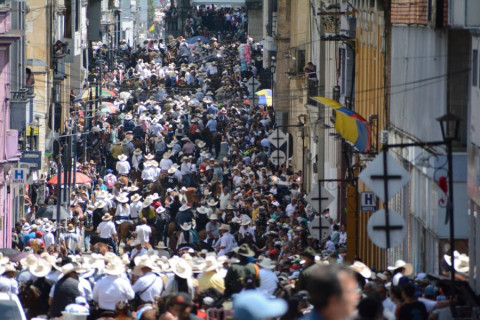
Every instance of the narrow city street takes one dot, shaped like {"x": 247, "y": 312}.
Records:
{"x": 207, "y": 159}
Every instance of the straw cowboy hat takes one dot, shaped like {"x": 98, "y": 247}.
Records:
{"x": 212, "y": 203}
{"x": 136, "y": 197}
{"x": 70, "y": 228}
{"x": 122, "y": 157}
{"x": 122, "y": 199}
{"x": 147, "y": 202}
{"x": 362, "y": 269}
{"x": 102, "y": 194}
{"x": 9, "y": 267}
{"x": 244, "y": 250}
{"x": 186, "y": 226}
{"x": 144, "y": 262}
{"x": 184, "y": 207}
{"x": 107, "y": 217}
{"x": 161, "y": 245}
{"x": 210, "y": 264}
{"x": 202, "y": 210}
{"x": 132, "y": 188}
{"x": 100, "y": 204}
{"x": 182, "y": 269}
{"x": 115, "y": 267}
{"x": 172, "y": 170}
{"x": 137, "y": 151}
{"x": 135, "y": 242}
{"x": 68, "y": 268}
{"x": 167, "y": 154}
{"x": 149, "y": 156}
{"x": 402, "y": 264}
{"x": 225, "y": 227}
{"x": 267, "y": 263}
{"x": 39, "y": 268}
{"x": 245, "y": 221}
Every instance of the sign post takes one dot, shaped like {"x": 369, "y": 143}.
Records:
{"x": 19, "y": 176}
{"x": 368, "y": 202}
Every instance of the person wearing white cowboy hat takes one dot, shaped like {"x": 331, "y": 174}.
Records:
{"x": 211, "y": 228}
{"x": 8, "y": 283}
{"x": 400, "y": 269}
{"x": 137, "y": 249}
{"x": 107, "y": 231}
{"x": 268, "y": 279}
{"x": 211, "y": 278}
{"x": 135, "y": 207}
{"x": 361, "y": 269}
{"x": 246, "y": 230}
{"x": 70, "y": 239}
{"x": 65, "y": 290}
{"x": 112, "y": 288}
{"x": 150, "y": 284}
{"x": 166, "y": 163}
{"x": 225, "y": 243}
{"x": 137, "y": 158}
{"x": 122, "y": 212}
{"x": 149, "y": 172}
{"x": 48, "y": 236}
{"x": 162, "y": 250}
{"x": 123, "y": 166}
{"x": 143, "y": 231}
{"x": 183, "y": 272}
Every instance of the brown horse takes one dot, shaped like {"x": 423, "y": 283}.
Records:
{"x": 101, "y": 248}
{"x": 193, "y": 196}
{"x": 124, "y": 231}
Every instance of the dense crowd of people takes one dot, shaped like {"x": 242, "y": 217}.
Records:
{"x": 184, "y": 212}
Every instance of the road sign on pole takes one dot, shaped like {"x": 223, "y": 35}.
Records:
{"x": 377, "y": 175}
{"x": 386, "y": 234}
{"x": 368, "y": 202}
{"x": 313, "y": 198}
{"x": 277, "y": 138}
{"x": 315, "y": 228}
{"x": 278, "y": 157}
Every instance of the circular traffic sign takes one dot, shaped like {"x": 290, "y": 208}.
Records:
{"x": 386, "y": 235}
{"x": 278, "y": 157}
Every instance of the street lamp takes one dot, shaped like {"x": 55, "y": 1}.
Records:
{"x": 449, "y": 124}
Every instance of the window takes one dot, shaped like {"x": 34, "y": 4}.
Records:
{"x": 300, "y": 60}
{"x": 475, "y": 68}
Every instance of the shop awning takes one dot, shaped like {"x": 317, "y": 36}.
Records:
{"x": 351, "y": 126}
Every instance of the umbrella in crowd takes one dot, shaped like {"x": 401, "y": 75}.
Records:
{"x": 194, "y": 39}
{"x": 90, "y": 94}
{"x": 80, "y": 178}
{"x": 50, "y": 212}
{"x": 265, "y": 97}
{"x": 108, "y": 107}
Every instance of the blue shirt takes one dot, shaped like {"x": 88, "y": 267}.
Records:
{"x": 212, "y": 125}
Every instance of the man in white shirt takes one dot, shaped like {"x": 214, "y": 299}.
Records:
{"x": 123, "y": 167}
{"x": 268, "y": 279}
{"x": 143, "y": 231}
{"x": 148, "y": 173}
{"x": 135, "y": 207}
{"x": 112, "y": 288}
{"x": 107, "y": 232}
{"x": 290, "y": 209}
{"x": 149, "y": 284}
{"x": 226, "y": 242}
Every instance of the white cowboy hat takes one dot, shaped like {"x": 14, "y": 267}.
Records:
{"x": 115, "y": 267}
{"x": 224, "y": 227}
{"x": 135, "y": 242}
{"x": 102, "y": 194}
{"x": 40, "y": 268}
{"x": 107, "y": 217}
{"x": 122, "y": 199}
{"x": 171, "y": 170}
{"x": 362, "y": 269}
{"x": 68, "y": 268}
{"x": 149, "y": 156}
{"x": 132, "y": 188}
{"x": 70, "y": 228}
{"x": 245, "y": 221}
{"x": 161, "y": 245}
{"x": 3, "y": 260}
{"x": 160, "y": 209}
{"x": 122, "y": 157}
{"x": 213, "y": 217}
{"x": 184, "y": 207}
{"x": 128, "y": 116}
{"x": 153, "y": 163}
{"x": 210, "y": 264}
{"x": 167, "y": 154}
{"x": 207, "y": 192}
{"x": 147, "y": 202}
{"x": 136, "y": 197}
{"x": 212, "y": 203}
{"x": 9, "y": 267}
{"x": 144, "y": 262}
{"x": 186, "y": 226}
{"x": 267, "y": 263}
{"x": 137, "y": 151}
{"x": 202, "y": 210}
{"x": 154, "y": 196}
{"x": 402, "y": 264}
{"x": 100, "y": 204}
{"x": 182, "y": 269}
